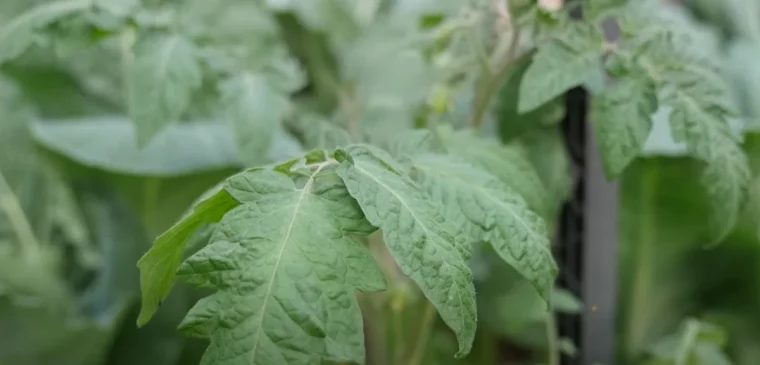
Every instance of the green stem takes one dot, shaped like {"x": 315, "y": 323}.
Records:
{"x": 426, "y": 328}
{"x": 551, "y": 337}
{"x": 493, "y": 81}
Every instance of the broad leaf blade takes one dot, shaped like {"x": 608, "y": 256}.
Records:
{"x": 285, "y": 268}
{"x": 417, "y": 236}
{"x": 160, "y": 263}
{"x": 255, "y": 110}
{"x": 508, "y": 163}
{"x": 161, "y": 79}
{"x": 565, "y": 62}
{"x": 491, "y": 212}
{"x": 622, "y": 120}
{"x": 21, "y": 32}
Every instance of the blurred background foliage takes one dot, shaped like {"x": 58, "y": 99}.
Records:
{"x": 80, "y": 202}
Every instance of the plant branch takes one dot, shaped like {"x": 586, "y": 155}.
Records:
{"x": 425, "y": 329}
{"x": 551, "y": 337}
{"x": 491, "y": 84}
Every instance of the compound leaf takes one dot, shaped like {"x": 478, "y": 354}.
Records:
{"x": 567, "y": 61}
{"x": 255, "y": 110}
{"x": 285, "y": 266}
{"x": 700, "y": 117}
{"x": 622, "y": 120}
{"x": 417, "y": 235}
{"x": 491, "y": 212}
{"x": 159, "y": 265}
{"x": 161, "y": 79}
{"x": 21, "y": 32}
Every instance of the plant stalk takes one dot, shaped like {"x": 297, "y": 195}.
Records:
{"x": 551, "y": 337}
{"x": 417, "y": 353}
{"x": 494, "y": 80}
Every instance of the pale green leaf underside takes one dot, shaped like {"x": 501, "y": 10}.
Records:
{"x": 255, "y": 110}
{"x": 285, "y": 266}
{"x": 159, "y": 265}
{"x": 161, "y": 79}
{"x": 565, "y": 62}
{"x": 21, "y": 32}
{"x": 417, "y": 235}
{"x": 622, "y": 120}
{"x": 489, "y": 211}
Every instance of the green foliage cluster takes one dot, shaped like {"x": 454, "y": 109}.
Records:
{"x": 358, "y": 137}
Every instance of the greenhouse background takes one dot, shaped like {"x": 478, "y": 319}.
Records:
{"x": 85, "y": 190}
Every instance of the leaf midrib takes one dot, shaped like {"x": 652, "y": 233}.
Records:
{"x": 270, "y": 285}
{"x": 421, "y": 223}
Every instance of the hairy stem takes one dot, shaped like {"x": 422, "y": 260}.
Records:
{"x": 494, "y": 79}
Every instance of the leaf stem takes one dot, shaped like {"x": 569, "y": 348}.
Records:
{"x": 491, "y": 83}
{"x": 425, "y": 329}
{"x": 551, "y": 337}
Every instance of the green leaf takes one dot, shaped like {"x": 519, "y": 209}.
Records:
{"x": 508, "y": 163}
{"x": 622, "y": 120}
{"x": 108, "y": 143}
{"x": 513, "y": 124}
{"x": 21, "y": 32}
{"x": 702, "y": 107}
{"x": 255, "y": 110}
{"x": 285, "y": 266}
{"x": 546, "y": 150}
{"x": 418, "y": 235}
{"x": 491, "y": 212}
{"x": 565, "y": 62}
{"x": 159, "y": 265}
{"x": 161, "y": 79}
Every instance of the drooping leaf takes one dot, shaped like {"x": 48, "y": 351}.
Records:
{"x": 255, "y": 110}
{"x": 490, "y": 212}
{"x": 21, "y": 32}
{"x": 513, "y": 124}
{"x": 161, "y": 79}
{"x": 702, "y": 108}
{"x": 622, "y": 120}
{"x": 567, "y": 61}
{"x": 285, "y": 267}
{"x": 426, "y": 247}
{"x": 159, "y": 265}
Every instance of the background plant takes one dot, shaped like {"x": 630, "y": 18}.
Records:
{"x": 329, "y": 119}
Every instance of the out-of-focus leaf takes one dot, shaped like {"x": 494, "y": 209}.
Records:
{"x": 622, "y": 120}
{"x": 561, "y": 64}
{"x": 161, "y": 79}
{"x": 548, "y": 154}
{"x": 109, "y": 144}
{"x": 33, "y": 336}
{"x": 662, "y": 216}
{"x": 513, "y": 124}
{"x": 255, "y": 110}
{"x": 21, "y": 32}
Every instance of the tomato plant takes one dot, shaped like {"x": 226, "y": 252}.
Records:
{"x": 362, "y": 166}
